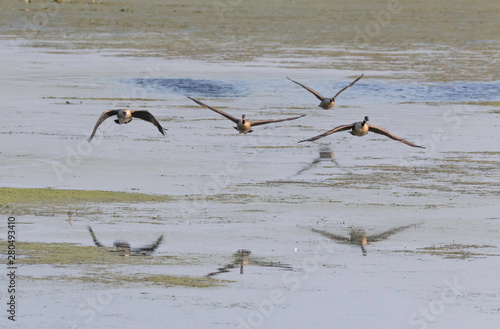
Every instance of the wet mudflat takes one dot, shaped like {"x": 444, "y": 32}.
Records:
{"x": 240, "y": 214}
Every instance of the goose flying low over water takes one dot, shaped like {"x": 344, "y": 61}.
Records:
{"x": 123, "y": 247}
{"x": 360, "y": 129}
{"x": 326, "y": 103}
{"x": 243, "y": 125}
{"x": 125, "y": 116}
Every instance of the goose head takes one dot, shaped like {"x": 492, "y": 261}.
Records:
{"x": 365, "y": 120}
{"x": 243, "y": 117}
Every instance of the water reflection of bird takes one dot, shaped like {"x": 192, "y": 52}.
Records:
{"x": 361, "y": 128}
{"x": 125, "y": 116}
{"x": 325, "y": 154}
{"x": 326, "y": 103}
{"x": 123, "y": 247}
{"x": 242, "y": 258}
{"x": 358, "y": 236}
{"x": 243, "y": 125}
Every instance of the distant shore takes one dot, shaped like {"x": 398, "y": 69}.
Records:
{"x": 461, "y": 35}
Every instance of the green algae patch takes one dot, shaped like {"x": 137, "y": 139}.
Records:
{"x": 160, "y": 279}
{"x": 59, "y": 196}
{"x": 172, "y": 280}
{"x": 36, "y": 253}
{"x": 67, "y": 255}
{"x": 453, "y": 251}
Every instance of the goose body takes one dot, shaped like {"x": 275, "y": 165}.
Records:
{"x": 359, "y": 129}
{"x": 124, "y": 116}
{"x": 243, "y": 125}
{"x": 325, "y": 102}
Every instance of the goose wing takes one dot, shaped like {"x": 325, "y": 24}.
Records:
{"x": 334, "y": 130}
{"x": 104, "y": 116}
{"x": 332, "y": 236}
{"x": 147, "y": 116}
{"x": 318, "y": 95}
{"x": 273, "y": 264}
{"x": 264, "y": 122}
{"x": 352, "y": 83}
{"x": 149, "y": 249}
{"x": 97, "y": 243}
{"x": 228, "y": 116}
{"x": 384, "y": 132}
{"x": 385, "y": 235}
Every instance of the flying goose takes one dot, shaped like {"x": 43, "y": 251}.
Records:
{"x": 125, "y": 116}
{"x": 358, "y": 236}
{"x": 361, "y": 128}
{"x": 326, "y": 103}
{"x": 123, "y": 247}
{"x": 243, "y": 125}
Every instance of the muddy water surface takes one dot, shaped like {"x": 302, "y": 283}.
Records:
{"x": 214, "y": 193}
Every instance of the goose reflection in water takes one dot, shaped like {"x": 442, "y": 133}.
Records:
{"x": 242, "y": 258}
{"x": 122, "y": 248}
{"x": 358, "y": 236}
{"x": 325, "y": 155}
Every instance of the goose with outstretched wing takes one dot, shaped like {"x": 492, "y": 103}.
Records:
{"x": 326, "y": 103}
{"x": 243, "y": 125}
{"x": 359, "y": 129}
{"x": 125, "y": 116}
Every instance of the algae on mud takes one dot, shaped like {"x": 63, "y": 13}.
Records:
{"x": 57, "y": 196}
{"x": 66, "y": 255}
{"x": 161, "y": 279}
{"x": 453, "y": 251}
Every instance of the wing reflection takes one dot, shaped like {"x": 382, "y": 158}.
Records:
{"x": 242, "y": 258}
{"x": 358, "y": 236}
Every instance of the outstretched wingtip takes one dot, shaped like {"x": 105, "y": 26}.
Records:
{"x": 162, "y": 130}
{"x": 358, "y": 78}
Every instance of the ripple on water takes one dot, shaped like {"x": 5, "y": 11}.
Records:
{"x": 453, "y": 91}
{"x": 195, "y": 87}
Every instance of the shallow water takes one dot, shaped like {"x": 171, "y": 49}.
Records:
{"x": 373, "y": 89}
{"x": 260, "y": 192}
{"x": 201, "y": 87}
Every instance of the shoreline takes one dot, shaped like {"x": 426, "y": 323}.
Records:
{"x": 387, "y": 35}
